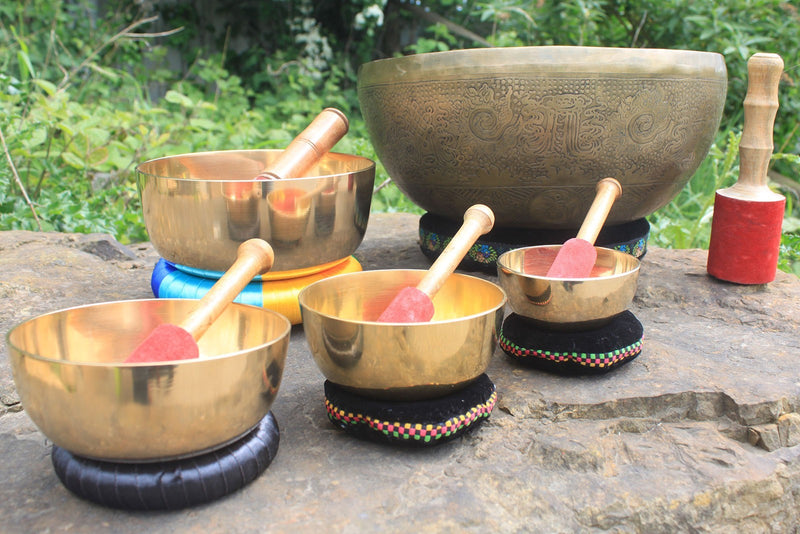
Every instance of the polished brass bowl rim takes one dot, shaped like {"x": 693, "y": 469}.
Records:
{"x": 569, "y": 304}
{"x": 401, "y": 361}
{"x": 198, "y": 208}
{"x": 75, "y": 387}
{"x": 276, "y": 339}
{"x": 556, "y": 58}
{"x": 530, "y": 130}
{"x": 152, "y": 162}
{"x": 310, "y": 287}
{"x": 502, "y": 263}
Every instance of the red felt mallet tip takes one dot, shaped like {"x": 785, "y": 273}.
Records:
{"x": 409, "y": 306}
{"x": 165, "y": 339}
{"x": 576, "y": 256}
{"x": 169, "y": 342}
{"x": 415, "y": 304}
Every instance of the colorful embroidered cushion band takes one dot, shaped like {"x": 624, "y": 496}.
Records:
{"x": 413, "y": 423}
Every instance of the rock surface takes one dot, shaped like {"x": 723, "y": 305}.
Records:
{"x": 699, "y": 433}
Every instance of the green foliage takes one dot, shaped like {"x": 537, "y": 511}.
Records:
{"x": 85, "y": 97}
{"x": 686, "y": 221}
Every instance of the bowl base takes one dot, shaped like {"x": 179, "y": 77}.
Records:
{"x": 176, "y": 281}
{"x": 436, "y": 231}
{"x": 573, "y": 353}
{"x": 174, "y": 484}
{"x": 422, "y": 423}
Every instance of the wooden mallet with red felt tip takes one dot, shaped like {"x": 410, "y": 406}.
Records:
{"x": 746, "y": 225}
{"x": 415, "y": 304}
{"x": 168, "y": 342}
{"x": 576, "y": 257}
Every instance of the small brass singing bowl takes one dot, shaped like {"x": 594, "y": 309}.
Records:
{"x": 69, "y": 373}
{"x": 562, "y": 303}
{"x": 409, "y": 361}
{"x": 199, "y": 207}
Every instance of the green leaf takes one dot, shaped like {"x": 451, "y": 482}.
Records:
{"x": 73, "y": 161}
{"x": 45, "y": 86}
{"x": 36, "y": 138}
{"x": 25, "y": 67}
{"x": 97, "y": 156}
{"x": 182, "y": 100}
{"x": 111, "y": 75}
{"x": 204, "y": 124}
{"x": 97, "y": 136}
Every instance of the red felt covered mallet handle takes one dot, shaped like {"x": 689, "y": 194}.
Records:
{"x": 576, "y": 257}
{"x": 746, "y": 226}
{"x": 414, "y": 304}
{"x": 168, "y": 342}
{"x": 306, "y": 149}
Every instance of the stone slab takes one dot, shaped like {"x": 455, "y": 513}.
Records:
{"x": 699, "y": 433}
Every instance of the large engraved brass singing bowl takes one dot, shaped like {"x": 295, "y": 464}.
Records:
{"x": 400, "y": 361}
{"x": 69, "y": 372}
{"x": 529, "y": 131}
{"x": 567, "y": 304}
{"x": 198, "y": 208}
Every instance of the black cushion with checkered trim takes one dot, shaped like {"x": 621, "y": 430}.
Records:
{"x": 583, "y": 352}
{"x": 421, "y": 423}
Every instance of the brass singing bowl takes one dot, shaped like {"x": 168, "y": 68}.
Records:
{"x": 567, "y": 304}
{"x": 529, "y": 131}
{"x": 69, "y": 372}
{"x": 400, "y": 361}
{"x": 199, "y": 207}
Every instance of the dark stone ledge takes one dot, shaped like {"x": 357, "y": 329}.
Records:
{"x": 699, "y": 433}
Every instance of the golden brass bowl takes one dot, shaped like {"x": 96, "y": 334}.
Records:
{"x": 529, "y": 131}
{"x": 68, "y": 369}
{"x": 198, "y": 208}
{"x": 401, "y": 361}
{"x": 567, "y": 304}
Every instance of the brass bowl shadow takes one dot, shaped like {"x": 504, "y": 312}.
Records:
{"x": 69, "y": 373}
{"x": 568, "y": 304}
{"x": 401, "y": 361}
{"x": 529, "y": 131}
{"x": 199, "y": 207}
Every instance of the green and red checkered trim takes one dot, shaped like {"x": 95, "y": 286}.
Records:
{"x": 422, "y": 432}
{"x": 589, "y": 359}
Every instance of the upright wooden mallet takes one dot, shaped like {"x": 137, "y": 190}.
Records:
{"x": 746, "y": 226}
{"x": 179, "y": 342}
{"x": 415, "y": 304}
{"x": 576, "y": 256}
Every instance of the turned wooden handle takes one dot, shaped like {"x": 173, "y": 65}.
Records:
{"x": 760, "y": 107}
{"x": 478, "y": 220}
{"x": 306, "y": 149}
{"x": 608, "y": 191}
{"x": 254, "y": 256}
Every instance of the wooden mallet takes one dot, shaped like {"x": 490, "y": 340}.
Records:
{"x": 309, "y": 146}
{"x": 746, "y": 226}
{"x": 576, "y": 256}
{"x": 415, "y": 304}
{"x": 179, "y": 342}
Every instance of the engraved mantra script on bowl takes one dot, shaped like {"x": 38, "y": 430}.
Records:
{"x": 533, "y": 149}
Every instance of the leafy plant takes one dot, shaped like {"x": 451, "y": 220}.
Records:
{"x": 87, "y": 93}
